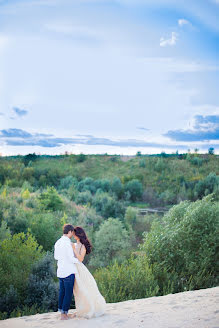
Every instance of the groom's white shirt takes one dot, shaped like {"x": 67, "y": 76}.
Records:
{"x": 64, "y": 254}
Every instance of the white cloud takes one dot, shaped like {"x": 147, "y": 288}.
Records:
{"x": 169, "y": 42}
{"x": 183, "y": 21}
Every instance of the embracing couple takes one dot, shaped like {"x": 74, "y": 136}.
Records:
{"x": 74, "y": 277}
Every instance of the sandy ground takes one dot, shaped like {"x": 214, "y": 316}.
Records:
{"x": 193, "y": 309}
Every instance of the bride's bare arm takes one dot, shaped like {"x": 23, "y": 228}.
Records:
{"x": 80, "y": 256}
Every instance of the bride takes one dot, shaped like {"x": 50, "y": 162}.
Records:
{"x": 88, "y": 300}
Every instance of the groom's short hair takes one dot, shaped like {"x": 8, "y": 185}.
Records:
{"x": 67, "y": 227}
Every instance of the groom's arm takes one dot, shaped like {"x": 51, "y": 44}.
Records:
{"x": 55, "y": 253}
{"x": 70, "y": 254}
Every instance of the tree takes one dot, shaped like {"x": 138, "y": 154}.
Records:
{"x": 17, "y": 255}
{"x": 67, "y": 182}
{"x": 81, "y": 158}
{"x": 46, "y": 228}
{"x": 25, "y": 194}
{"x": 50, "y": 200}
{"x": 107, "y": 206}
{"x": 4, "y": 231}
{"x": 207, "y": 185}
{"x": 112, "y": 240}
{"x": 132, "y": 279}
{"x": 142, "y": 163}
{"x": 211, "y": 151}
{"x": 84, "y": 197}
{"x": 103, "y": 184}
{"x": 42, "y": 291}
{"x": 28, "y": 158}
{"x": 134, "y": 187}
{"x": 87, "y": 184}
{"x": 117, "y": 187}
{"x": 160, "y": 165}
{"x": 184, "y": 245}
{"x": 130, "y": 215}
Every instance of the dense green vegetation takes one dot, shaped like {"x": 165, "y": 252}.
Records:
{"x": 105, "y": 195}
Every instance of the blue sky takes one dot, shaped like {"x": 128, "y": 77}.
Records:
{"x": 115, "y": 76}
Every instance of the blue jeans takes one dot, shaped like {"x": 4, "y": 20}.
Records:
{"x": 65, "y": 293}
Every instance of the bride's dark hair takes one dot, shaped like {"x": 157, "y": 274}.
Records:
{"x": 80, "y": 233}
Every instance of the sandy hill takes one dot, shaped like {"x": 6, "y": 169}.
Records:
{"x": 192, "y": 309}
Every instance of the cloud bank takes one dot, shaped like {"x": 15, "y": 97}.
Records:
{"x": 205, "y": 128}
{"x": 20, "y": 112}
{"x": 18, "y": 137}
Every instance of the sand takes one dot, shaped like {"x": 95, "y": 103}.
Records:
{"x": 192, "y": 309}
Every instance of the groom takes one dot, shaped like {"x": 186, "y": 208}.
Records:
{"x": 66, "y": 269}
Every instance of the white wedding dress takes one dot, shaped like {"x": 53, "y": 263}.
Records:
{"x": 88, "y": 300}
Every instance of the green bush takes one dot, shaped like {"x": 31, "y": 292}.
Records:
{"x": 130, "y": 215}
{"x": 135, "y": 189}
{"x": 42, "y": 290}
{"x": 130, "y": 280}
{"x": 4, "y": 231}
{"x": 142, "y": 163}
{"x": 80, "y": 158}
{"x": 207, "y": 185}
{"x": 46, "y": 228}
{"x": 111, "y": 243}
{"x": 84, "y": 197}
{"x": 66, "y": 182}
{"x": 87, "y": 184}
{"x": 9, "y": 301}
{"x": 50, "y": 200}
{"x": 107, "y": 206}
{"x": 117, "y": 187}
{"x": 17, "y": 255}
{"x": 185, "y": 244}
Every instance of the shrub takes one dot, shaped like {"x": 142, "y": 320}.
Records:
{"x": 42, "y": 291}
{"x": 168, "y": 197}
{"x": 4, "y": 231}
{"x": 17, "y": 255}
{"x": 9, "y": 301}
{"x": 130, "y": 215}
{"x": 112, "y": 240}
{"x": 142, "y": 163}
{"x": 50, "y": 200}
{"x": 107, "y": 206}
{"x": 117, "y": 187}
{"x": 46, "y": 228}
{"x": 80, "y": 158}
{"x": 207, "y": 185}
{"x": 185, "y": 244}
{"x": 160, "y": 165}
{"x": 84, "y": 197}
{"x": 66, "y": 182}
{"x": 87, "y": 184}
{"x": 103, "y": 184}
{"x": 130, "y": 280}
{"x": 25, "y": 194}
{"x": 134, "y": 187}
{"x": 211, "y": 151}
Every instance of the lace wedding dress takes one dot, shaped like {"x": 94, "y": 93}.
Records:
{"x": 88, "y": 300}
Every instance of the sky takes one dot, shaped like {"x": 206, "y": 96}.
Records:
{"x": 109, "y": 76}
